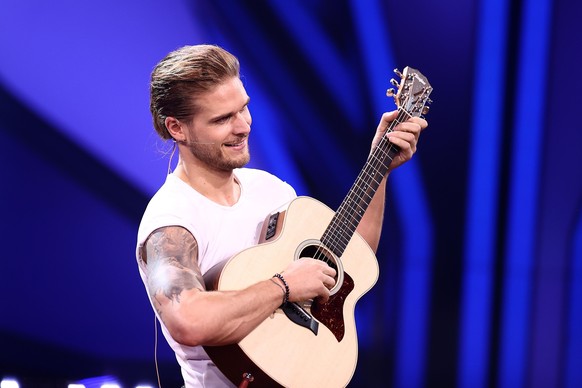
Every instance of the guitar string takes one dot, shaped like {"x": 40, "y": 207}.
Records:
{"x": 378, "y": 149}
{"x": 376, "y": 161}
{"x": 402, "y": 114}
{"x": 360, "y": 192}
{"x": 376, "y": 166}
{"x": 374, "y": 173}
{"x": 357, "y": 192}
{"x": 371, "y": 177}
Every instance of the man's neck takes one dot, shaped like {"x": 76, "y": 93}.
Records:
{"x": 221, "y": 187}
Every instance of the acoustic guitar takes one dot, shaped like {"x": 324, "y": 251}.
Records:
{"x": 313, "y": 344}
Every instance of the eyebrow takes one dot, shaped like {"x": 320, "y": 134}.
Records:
{"x": 227, "y": 115}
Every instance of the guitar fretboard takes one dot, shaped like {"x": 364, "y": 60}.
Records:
{"x": 349, "y": 214}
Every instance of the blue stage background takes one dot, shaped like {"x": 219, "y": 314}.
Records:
{"x": 481, "y": 257}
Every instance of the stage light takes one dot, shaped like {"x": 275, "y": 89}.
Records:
{"x": 9, "y": 383}
{"x": 98, "y": 382}
{"x": 76, "y": 386}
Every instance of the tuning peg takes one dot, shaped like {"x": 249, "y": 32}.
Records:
{"x": 398, "y": 73}
{"x": 390, "y": 92}
{"x": 394, "y": 82}
{"x": 425, "y": 109}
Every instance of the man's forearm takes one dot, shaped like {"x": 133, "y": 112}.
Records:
{"x": 370, "y": 227}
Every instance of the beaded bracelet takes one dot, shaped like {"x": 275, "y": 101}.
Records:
{"x": 281, "y": 287}
{"x": 286, "y": 296}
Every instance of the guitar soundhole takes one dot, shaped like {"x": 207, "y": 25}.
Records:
{"x": 316, "y": 250}
{"x": 330, "y": 314}
{"x": 319, "y": 253}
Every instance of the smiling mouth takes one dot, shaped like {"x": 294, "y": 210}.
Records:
{"x": 237, "y": 144}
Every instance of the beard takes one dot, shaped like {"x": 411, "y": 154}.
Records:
{"x": 213, "y": 156}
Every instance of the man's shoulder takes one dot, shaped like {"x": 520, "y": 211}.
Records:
{"x": 173, "y": 196}
{"x": 254, "y": 179}
{"x": 170, "y": 188}
{"x": 254, "y": 174}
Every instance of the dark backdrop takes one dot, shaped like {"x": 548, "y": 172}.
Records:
{"x": 481, "y": 257}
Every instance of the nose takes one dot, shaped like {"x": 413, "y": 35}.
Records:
{"x": 242, "y": 122}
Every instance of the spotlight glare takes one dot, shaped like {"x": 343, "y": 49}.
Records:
{"x": 9, "y": 383}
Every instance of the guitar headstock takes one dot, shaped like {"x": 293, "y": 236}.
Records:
{"x": 413, "y": 92}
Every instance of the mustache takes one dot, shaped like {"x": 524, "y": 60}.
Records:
{"x": 235, "y": 141}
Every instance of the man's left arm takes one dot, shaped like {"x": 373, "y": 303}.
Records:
{"x": 405, "y": 135}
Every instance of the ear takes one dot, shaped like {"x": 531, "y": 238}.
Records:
{"x": 175, "y": 129}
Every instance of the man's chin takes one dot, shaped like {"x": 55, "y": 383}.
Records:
{"x": 244, "y": 162}
{"x": 239, "y": 163}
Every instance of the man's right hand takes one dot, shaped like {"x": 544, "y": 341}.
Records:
{"x": 309, "y": 278}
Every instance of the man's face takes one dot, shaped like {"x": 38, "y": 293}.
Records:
{"x": 218, "y": 134}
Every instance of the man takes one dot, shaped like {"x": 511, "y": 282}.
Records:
{"x": 211, "y": 207}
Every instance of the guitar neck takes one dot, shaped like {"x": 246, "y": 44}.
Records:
{"x": 349, "y": 214}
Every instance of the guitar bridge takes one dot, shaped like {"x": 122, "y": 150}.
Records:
{"x": 299, "y": 316}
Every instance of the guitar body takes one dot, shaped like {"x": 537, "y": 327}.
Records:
{"x": 280, "y": 351}
{"x": 313, "y": 344}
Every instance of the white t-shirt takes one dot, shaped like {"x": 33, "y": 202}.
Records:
{"x": 220, "y": 232}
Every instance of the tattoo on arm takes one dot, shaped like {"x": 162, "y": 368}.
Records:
{"x": 171, "y": 254}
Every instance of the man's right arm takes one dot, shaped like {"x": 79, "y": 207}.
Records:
{"x": 195, "y": 316}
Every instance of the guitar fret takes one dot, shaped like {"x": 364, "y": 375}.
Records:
{"x": 348, "y": 216}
